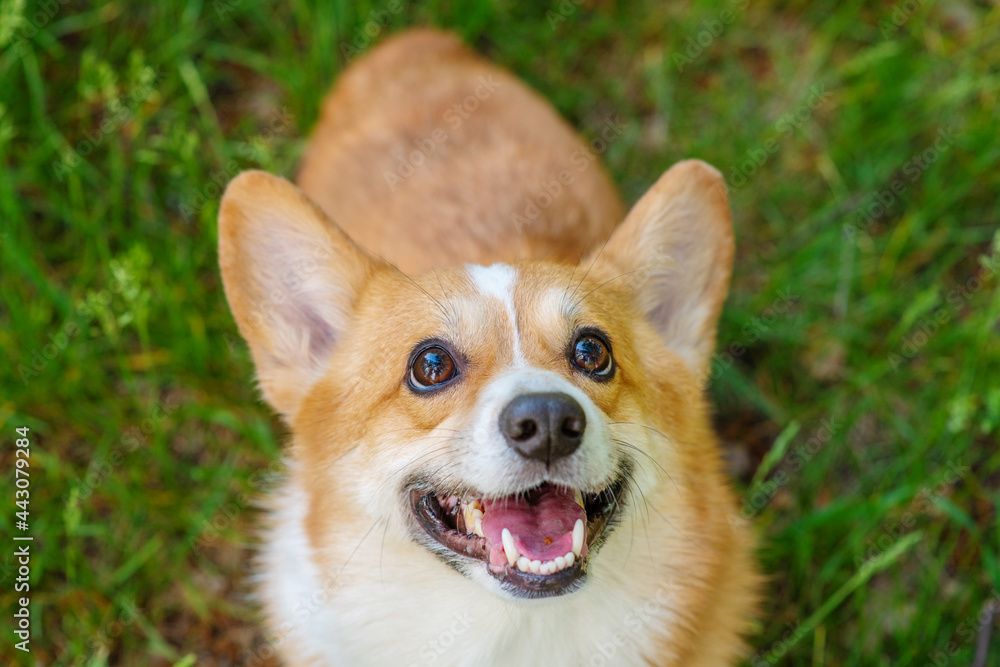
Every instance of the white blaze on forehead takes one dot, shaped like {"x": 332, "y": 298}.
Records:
{"x": 497, "y": 281}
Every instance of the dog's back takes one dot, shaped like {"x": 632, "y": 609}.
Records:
{"x": 423, "y": 129}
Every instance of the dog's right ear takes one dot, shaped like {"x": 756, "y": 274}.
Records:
{"x": 291, "y": 278}
{"x": 676, "y": 248}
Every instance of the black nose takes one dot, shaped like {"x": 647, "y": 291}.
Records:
{"x": 545, "y": 427}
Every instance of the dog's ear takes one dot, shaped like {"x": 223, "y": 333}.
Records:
{"x": 675, "y": 248}
{"x": 291, "y": 278}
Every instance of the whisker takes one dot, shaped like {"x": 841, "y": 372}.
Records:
{"x": 358, "y": 546}
{"x": 657, "y": 512}
{"x": 628, "y": 445}
{"x": 596, "y": 257}
{"x": 420, "y": 428}
{"x": 582, "y": 298}
{"x": 444, "y": 311}
{"x": 420, "y": 459}
{"x": 633, "y": 487}
{"x": 381, "y": 553}
{"x": 647, "y": 426}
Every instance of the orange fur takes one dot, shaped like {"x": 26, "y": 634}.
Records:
{"x": 331, "y": 317}
{"x": 459, "y": 203}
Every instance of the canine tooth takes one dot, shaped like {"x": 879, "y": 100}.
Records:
{"x": 570, "y": 559}
{"x": 508, "y": 547}
{"x": 523, "y": 564}
{"x": 578, "y": 537}
{"x": 579, "y": 498}
{"x": 535, "y": 566}
{"x": 477, "y": 527}
{"x": 560, "y": 562}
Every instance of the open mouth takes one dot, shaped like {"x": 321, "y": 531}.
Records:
{"x": 536, "y": 543}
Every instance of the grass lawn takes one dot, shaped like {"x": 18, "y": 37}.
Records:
{"x": 857, "y": 383}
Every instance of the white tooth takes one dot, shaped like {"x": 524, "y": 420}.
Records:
{"x": 570, "y": 559}
{"x": 579, "y": 498}
{"x": 560, "y": 563}
{"x": 536, "y": 566}
{"x": 578, "y": 537}
{"x": 509, "y": 548}
{"x": 547, "y": 568}
{"x": 477, "y": 527}
{"x": 523, "y": 564}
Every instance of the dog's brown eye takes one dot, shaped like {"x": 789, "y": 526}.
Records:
{"x": 431, "y": 367}
{"x": 591, "y": 355}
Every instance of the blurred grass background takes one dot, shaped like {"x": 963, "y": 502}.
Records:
{"x": 859, "y": 345}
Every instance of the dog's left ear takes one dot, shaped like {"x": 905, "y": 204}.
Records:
{"x": 675, "y": 248}
{"x": 292, "y": 278}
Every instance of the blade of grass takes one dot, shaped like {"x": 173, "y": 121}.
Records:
{"x": 868, "y": 569}
{"x": 776, "y": 453}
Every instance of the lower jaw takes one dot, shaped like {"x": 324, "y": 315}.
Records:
{"x": 533, "y": 586}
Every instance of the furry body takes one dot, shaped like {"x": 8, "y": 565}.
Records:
{"x": 407, "y": 229}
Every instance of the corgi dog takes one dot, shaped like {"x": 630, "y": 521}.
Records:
{"x": 501, "y": 451}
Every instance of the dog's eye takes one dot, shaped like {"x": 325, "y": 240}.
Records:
{"x": 591, "y": 355}
{"x": 433, "y": 366}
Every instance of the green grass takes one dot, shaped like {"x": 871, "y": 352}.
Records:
{"x": 881, "y": 373}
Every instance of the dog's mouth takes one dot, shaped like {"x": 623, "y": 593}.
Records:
{"x": 536, "y": 543}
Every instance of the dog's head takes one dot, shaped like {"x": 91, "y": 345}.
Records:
{"x": 504, "y": 418}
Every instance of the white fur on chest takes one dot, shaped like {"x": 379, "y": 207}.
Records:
{"x": 381, "y": 609}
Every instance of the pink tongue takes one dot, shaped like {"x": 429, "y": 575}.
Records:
{"x": 541, "y": 525}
